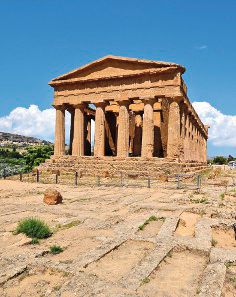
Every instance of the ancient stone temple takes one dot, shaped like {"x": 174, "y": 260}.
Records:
{"x": 141, "y": 111}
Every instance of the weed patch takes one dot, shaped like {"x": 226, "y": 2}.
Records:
{"x": 33, "y": 228}
{"x": 67, "y": 226}
{"x": 146, "y": 280}
{"x": 201, "y": 200}
{"x": 56, "y": 249}
{"x": 151, "y": 219}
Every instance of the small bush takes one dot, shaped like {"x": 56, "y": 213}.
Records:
{"x": 56, "y": 249}
{"x": 33, "y": 228}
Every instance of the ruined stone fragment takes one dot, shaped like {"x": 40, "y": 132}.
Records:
{"x": 52, "y": 197}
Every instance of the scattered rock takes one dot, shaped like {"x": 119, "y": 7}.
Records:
{"x": 52, "y": 197}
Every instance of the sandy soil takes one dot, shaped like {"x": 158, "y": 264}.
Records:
{"x": 104, "y": 252}
{"x": 224, "y": 237}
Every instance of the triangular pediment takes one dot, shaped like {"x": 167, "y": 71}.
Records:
{"x": 113, "y": 66}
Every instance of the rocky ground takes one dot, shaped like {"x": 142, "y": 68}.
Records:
{"x": 113, "y": 248}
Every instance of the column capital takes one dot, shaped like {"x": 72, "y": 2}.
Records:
{"x": 101, "y": 104}
{"x": 79, "y": 105}
{"x": 149, "y": 100}
{"x": 59, "y": 107}
{"x": 124, "y": 102}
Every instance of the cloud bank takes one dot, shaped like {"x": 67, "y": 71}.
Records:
{"x": 222, "y": 130}
{"x": 32, "y": 121}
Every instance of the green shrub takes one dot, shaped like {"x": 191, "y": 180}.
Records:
{"x": 34, "y": 228}
{"x": 220, "y": 160}
{"x": 36, "y": 155}
{"x": 56, "y": 249}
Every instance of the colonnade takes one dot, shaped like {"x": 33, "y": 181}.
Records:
{"x": 185, "y": 140}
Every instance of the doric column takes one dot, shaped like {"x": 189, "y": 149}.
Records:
{"x": 158, "y": 150}
{"x": 123, "y": 130}
{"x": 99, "y": 138}
{"x": 174, "y": 141}
{"x": 78, "y": 141}
{"x": 138, "y": 135}
{"x": 72, "y": 115}
{"x": 59, "y": 146}
{"x": 186, "y": 139}
{"x": 195, "y": 141}
{"x": 131, "y": 133}
{"x": 182, "y": 154}
{"x": 87, "y": 135}
{"x": 148, "y": 129}
{"x": 204, "y": 149}
{"x": 191, "y": 144}
{"x": 198, "y": 147}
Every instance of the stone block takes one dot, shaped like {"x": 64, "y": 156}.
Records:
{"x": 52, "y": 197}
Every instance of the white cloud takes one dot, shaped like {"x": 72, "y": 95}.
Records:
{"x": 201, "y": 47}
{"x": 31, "y": 122}
{"x": 222, "y": 130}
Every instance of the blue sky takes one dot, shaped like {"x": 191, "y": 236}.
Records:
{"x": 43, "y": 39}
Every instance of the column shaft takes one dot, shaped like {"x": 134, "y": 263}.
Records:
{"x": 72, "y": 115}
{"x": 78, "y": 141}
{"x": 174, "y": 140}
{"x": 148, "y": 129}
{"x": 59, "y": 146}
{"x": 138, "y": 135}
{"x": 99, "y": 138}
{"x": 186, "y": 139}
{"x": 123, "y": 130}
{"x": 87, "y": 135}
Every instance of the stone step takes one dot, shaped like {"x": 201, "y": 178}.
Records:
{"x": 110, "y": 166}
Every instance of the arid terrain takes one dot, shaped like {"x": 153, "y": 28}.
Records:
{"x": 121, "y": 241}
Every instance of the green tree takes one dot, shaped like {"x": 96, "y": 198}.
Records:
{"x": 220, "y": 160}
{"x": 36, "y": 155}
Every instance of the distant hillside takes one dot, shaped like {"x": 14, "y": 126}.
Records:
{"x": 20, "y": 140}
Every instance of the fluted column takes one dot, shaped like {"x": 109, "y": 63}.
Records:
{"x": 123, "y": 130}
{"x": 78, "y": 140}
{"x": 148, "y": 129}
{"x": 138, "y": 135}
{"x": 99, "y": 138}
{"x": 191, "y": 144}
{"x": 87, "y": 135}
{"x": 186, "y": 138}
{"x": 174, "y": 140}
{"x": 59, "y": 146}
{"x": 72, "y": 115}
{"x": 182, "y": 154}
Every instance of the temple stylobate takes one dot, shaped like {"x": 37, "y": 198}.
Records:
{"x": 140, "y": 108}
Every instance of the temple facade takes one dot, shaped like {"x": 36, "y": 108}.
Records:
{"x": 140, "y": 108}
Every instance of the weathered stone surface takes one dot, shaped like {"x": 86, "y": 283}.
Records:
{"x": 213, "y": 280}
{"x": 52, "y": 197}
